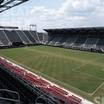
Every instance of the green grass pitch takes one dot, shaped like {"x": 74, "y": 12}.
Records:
{"x": 78, "y": 71}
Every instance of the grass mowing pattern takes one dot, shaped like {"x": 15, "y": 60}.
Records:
{"x": 82, "y": 71}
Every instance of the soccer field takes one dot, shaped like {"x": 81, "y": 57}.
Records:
{"x": 78, "y": 71}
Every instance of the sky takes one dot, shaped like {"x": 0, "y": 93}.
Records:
{"x": 55, "y": 14}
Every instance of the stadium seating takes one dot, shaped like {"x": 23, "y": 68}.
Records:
{"x": 91, "y": 43}
{"x": 4, "y": 39}
{"x": 45, "y": 38}
{"x": 40, "y": 36}
{"x": 79, "y": 42}
{"x": 100, "y": 44}
{"x": 27, "y": 92}
{"x": 69, "y": 42}
{"x": 23, "y": 37}
{"x": 54, "y": 41}
{"x": 89, "y": 39}
{"x": 40, "y": 91}
{"x": 61, "y": 42}
{"x": 50, "y": 38}
{"x": 30, "y": 37}
{"x": 1, "y": 44}
{"x": 13, "y": 37}
{"x": 75, "y": 42}
{"x": 35, "y": 36}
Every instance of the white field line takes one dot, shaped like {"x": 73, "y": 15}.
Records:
{"x": 97, "y": 89}
{"x": 91, "y": 94}
{"x": 84, "y": 101}
{"x": 88, "y": 74}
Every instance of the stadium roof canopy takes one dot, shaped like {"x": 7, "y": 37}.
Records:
{"x": 76, "y": 30}
{"x": 7, "y": 4}
{"x": 8, "y": 27}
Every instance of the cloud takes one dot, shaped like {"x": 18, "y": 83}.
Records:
{"x": 71, "y": 13}
{"x": 80, "y": 7}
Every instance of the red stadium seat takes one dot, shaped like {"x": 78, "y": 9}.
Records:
{"x": 42, "y": 84}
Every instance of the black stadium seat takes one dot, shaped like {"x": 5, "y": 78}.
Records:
{"x": 66, "y": 38}
{"x": 30, "y": 37}
{"x": 35, "y": 36}
{"x": 14, "y": 38}
{"x": 4, "y": 39}
{"x": 23, "y": 37}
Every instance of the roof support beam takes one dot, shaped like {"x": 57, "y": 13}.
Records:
{"x": 7, "y": 4}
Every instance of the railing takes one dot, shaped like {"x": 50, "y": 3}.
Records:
{"x": 12, "y": 97}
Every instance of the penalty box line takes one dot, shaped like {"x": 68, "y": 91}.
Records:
{"x": 100, "y": 86}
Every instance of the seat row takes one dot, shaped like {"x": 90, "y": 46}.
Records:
{"x": 83, "y": 43}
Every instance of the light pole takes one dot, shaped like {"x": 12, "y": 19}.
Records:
{"x": 33, "y": 27}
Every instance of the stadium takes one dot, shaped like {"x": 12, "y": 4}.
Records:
{"x": 60, "y": 66}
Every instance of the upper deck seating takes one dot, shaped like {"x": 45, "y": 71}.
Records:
{"x": 12, "y": 36}
{"x": 100, "y": 44}
{"x": 30, "y": 37}
{"x": 91, "y": 43}
{"x": 79, "y": 42}
{"x": 23, "y": 37}
{"x": 69, "y": 42}
{"x": 61, "y": 41}
{"x": 4, "y": 39}
{"x": 55, "y": 40}
{"x": 35, "y": 36}
{"x": 40, "y": 35}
